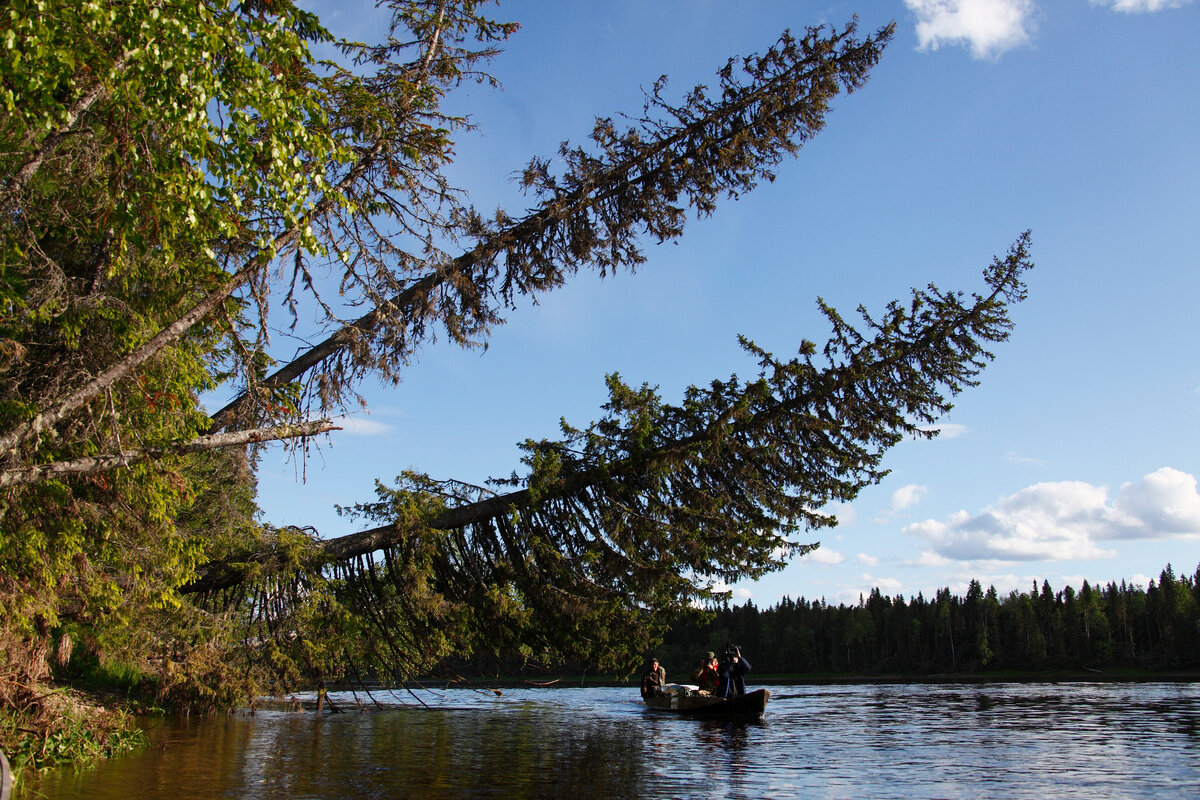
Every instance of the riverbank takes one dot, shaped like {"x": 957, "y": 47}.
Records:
{"x": 51, "y": 725}
{"x": 67, "y": 727}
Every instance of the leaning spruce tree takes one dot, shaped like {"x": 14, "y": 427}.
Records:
{"x": 174, "y": 171}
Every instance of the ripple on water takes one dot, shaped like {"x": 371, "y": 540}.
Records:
{"x": 1047, "y": 741}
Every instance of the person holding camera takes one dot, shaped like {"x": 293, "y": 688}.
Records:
{"x": 732, "y": 672}
{"x": 707, "y": 676}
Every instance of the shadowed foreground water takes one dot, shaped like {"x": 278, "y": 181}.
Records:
{"x": 1047, "y": 741}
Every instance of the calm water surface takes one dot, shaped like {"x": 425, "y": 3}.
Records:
{"x": 1042, "y": 741}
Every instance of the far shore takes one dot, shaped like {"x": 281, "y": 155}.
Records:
{"x": 799, "y": 679}
{"x": 103, "y": 697}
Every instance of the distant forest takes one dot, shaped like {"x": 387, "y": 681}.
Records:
{"x": 1111, "y": 627}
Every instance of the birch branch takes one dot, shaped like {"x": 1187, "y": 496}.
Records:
{"x": 103, "y": 463}
{"x": 74, "y": 113}
{"x": 182, "y": 324}
{"x": 173, "y": 332}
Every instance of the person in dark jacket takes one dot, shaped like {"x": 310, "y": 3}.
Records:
{"x": 732, "y": 671}
{"x": 655, "y": 679}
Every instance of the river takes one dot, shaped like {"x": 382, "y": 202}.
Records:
{"x": 1012, "y": 740}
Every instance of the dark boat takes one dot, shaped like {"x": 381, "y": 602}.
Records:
{"x": 702, "y": 705}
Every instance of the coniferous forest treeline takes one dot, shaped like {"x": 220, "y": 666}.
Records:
{"x": 1111, "y": 627}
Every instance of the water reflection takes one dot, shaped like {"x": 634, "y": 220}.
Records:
{"x": 1050, "y": 741}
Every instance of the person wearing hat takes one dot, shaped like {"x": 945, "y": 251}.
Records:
{"x": 707, "y": 677}
{"x": 655, "y": 680}
{"x": 732, "y": 671}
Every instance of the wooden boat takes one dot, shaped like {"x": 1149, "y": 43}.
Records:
{"x": 751, "y": 704}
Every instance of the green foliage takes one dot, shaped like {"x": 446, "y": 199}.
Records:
{"x": 167, "y": 165}
{"x": 154, "y": 159}
{"x": 620, "y": 526}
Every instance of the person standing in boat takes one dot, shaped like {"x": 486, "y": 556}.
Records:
{"x": 707, "y": 678}
{"x": 655, "y": 679}
{"x": 732, "y": 671}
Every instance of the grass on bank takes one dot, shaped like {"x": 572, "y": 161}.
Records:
{"x": 66, "y": 727}
{"x": 85, "y": 716}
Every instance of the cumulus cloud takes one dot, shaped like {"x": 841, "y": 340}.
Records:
{"x": 824, "y": 555}
{"x": 1067, "y": 520}
{"x": 866, "y": 560}
{"x": 888, "y": 586}
{"x": 1165, "y": 501}
{"x": 851, "y": 592}
{"x": 907, "y": 496}
{"x": 987, "y": 27}
{"x": 927, "y": 559}
{"x": 1140, "y": 6}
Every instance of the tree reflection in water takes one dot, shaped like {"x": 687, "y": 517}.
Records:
{"x": 1051, "y": 741}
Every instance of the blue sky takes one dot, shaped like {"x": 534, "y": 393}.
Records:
{"x": 1077, "y": 455}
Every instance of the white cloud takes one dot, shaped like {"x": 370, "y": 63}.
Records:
{"x": 946, "y": 430}
{"x": 927, "y": 559}
{"x": 886, "y": 586}
{"x": 866, "y": 560}
{"x": 1140, "y": 6}
{"x": 1065, "y": 520}
{"x": 736, "y": 592}
{"x": 852, "y": 592}
{"x": 1003, "y": 584}
{"x": 360, "y": 426}
{"x": 988, "y": 27}
{"x": 844, "y": 512}
{"x": 1013, "y": 457}
{"x": 823, "y": 555}
{"x": 1165, "y": 501}
{"x": 907, "y": 496}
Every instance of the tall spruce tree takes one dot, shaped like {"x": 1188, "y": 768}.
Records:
{"x": 167, "y": 168}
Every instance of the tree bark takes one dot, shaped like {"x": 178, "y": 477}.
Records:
{"x": 103, "y": 463}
